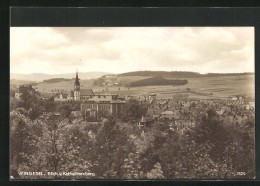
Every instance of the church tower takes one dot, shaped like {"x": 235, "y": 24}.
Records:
{"x": 77, "y": 88}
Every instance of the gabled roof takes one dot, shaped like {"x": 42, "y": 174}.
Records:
{"x": 168, "y": 112}
{"x": 220, "y": 112}
{"x": 229, "y": 114}
{"x": 86, "y": 92}
{"x": 143, "y": 119}
{"x": 104, "y": 99}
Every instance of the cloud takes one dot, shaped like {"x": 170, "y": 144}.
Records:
{"x": 121, "y": 49}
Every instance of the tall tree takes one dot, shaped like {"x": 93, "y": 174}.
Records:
{"x": 133, "y": 109}
{"x": 111, "y": 148}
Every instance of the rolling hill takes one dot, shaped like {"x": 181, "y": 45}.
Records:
{"x": 180, "y": 74}
{"x": 217, "y": 85}
{"x": 42, "y": 76}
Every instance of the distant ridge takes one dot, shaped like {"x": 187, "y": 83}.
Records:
{"x": 180, "y": 74}
{"x": 42, "y": 76}
{"x": 38, "y": 77}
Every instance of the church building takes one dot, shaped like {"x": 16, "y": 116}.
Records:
{"x": 81, "y": 94}
{"x": 95, "y": 106}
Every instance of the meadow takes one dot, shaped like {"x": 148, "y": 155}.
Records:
{"x": 218, "y": 87}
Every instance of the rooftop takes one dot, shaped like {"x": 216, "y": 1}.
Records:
{"x": 168, "y": 112}
{"x": 86, "y": 92}
{"x": 105, "y": 99}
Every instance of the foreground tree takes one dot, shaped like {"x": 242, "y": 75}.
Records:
{"x": 24, "y": 138}
{"x": 133, "y": 109}
{"x": 110, "y": 150}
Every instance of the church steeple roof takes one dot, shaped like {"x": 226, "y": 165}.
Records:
{"x": 77, "y": 80}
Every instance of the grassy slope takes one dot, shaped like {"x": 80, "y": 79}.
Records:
{"x": 65, "y": 85}
{"x": 219, "y": 86}
{"x": 158, "y": 81}
{"x": 223, "y": 86}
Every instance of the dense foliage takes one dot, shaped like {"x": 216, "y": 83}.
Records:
{"x": 119, "y": 149}
{"x": 157, "y": 81}
{"x": 55, "y": 80}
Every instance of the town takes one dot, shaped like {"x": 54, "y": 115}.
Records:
{"x": 178, "y": 111}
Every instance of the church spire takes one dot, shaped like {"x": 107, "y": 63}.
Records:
{"x": 77, "y": 78}
{"x": 77, "y": 84}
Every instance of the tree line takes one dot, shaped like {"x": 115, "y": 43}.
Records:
{"x": 180, "y": 74}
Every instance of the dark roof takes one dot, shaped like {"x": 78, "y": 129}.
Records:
{"x": 86, "y": 92}
{"x": 64, "y": 95}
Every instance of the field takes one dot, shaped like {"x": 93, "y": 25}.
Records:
{"x": 202, "y": 87}
{"x": 219, "y": 87}
{"x": 61, "y": 86}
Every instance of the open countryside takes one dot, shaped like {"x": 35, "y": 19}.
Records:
{"x": 202, "y": 87}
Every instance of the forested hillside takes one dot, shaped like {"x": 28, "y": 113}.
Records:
{"x": 179, "y": 74}
{"x": 157, "y": 81}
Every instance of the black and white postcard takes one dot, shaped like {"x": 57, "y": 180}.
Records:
{"x": 132, "y": 103}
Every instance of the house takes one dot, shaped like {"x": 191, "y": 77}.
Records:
{"x": 184, "y": 123}
{"x": 110, "y": 76}
{"x": 61, "y": 97}
{"x": 102, "y": 105}
{"x": 91, "y": 134}
{"x": 76, "y": 115}
{"x": 130, "y": 97}
{"x": 90, "y": 115}
{"x": 18, "y": 94}
{"x": 56, "y": 114}
{"x": 220, "y": 112}
{"x": 247, "y": 106}
{"x": 232, "y": 98}
{"x": 166, "y": 115}
{"x": 251, "y": 104}
{"x": 151, "y": 97}
{"x": 156, "y": 116}
{"x": 70, "y": 96}
{"x": 143, "y": 121}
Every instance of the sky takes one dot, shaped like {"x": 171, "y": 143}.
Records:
{"x": 58, "y": 50}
